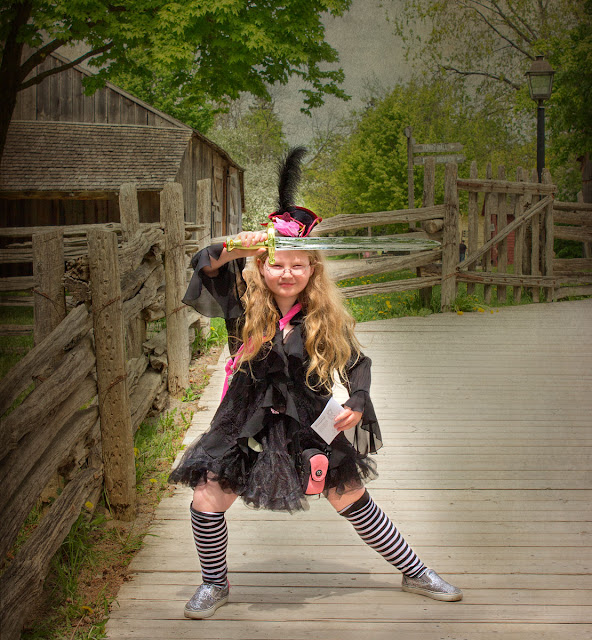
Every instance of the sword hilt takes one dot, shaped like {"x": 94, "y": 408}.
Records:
{"x": 269, "y": 244}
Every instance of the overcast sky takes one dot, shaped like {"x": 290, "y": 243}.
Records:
{"x": 367, "y": 49}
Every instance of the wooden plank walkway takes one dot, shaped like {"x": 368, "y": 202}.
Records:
{"x": 486, "y": 470}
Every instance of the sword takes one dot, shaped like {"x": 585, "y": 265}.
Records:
{"x": 276, "y": 242}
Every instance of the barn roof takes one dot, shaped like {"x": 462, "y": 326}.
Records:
{"x": 76, "y": 157}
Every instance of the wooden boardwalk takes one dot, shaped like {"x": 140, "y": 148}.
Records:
{"x": 487, "y": 420}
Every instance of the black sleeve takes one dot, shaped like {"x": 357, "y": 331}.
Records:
{"x": 358, "y": 383}
{"x": 365, "y": 436}
{"x": 220, "y": 296}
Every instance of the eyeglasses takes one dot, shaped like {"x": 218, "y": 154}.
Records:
{"x": 277, "y": 270}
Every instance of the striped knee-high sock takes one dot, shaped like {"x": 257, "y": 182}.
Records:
{"x": 378, "y": 532}
{"x": 211, "y": 540}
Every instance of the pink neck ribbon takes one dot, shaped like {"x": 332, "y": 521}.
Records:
{"x": 231, "y": 364}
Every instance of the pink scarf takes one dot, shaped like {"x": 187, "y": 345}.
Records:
{"x": 231, "y": 364}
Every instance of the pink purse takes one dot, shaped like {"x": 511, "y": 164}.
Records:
{"x": 315, "y": 465}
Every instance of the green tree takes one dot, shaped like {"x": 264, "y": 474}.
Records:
{"x": 367, "y": 170}
{"x": 180, "y": 55}
{"x": 570, "y": 115}
{"x": 251, "y": 132}
{"x": 488, "y": 45}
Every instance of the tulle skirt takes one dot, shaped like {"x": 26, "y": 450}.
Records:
{"x": 269, "y": 478}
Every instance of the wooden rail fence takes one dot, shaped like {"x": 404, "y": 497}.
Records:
{"x": 525, "y": 209}
{"x": 91, "y": 378}
{"x": 94, "y": 372}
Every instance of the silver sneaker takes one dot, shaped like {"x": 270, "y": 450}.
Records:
{"x": 206, "y": 600}
{"x": 430, "y": 584}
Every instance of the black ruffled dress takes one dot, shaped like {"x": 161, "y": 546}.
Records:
{"x": 263, "y": 423}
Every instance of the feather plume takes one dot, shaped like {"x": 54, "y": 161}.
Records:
{"x": 289, "y": 173}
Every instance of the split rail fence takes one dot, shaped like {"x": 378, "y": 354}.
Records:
{"x": 525, "y": 208}
{"x": 95, "y": 374}
{"x": 91, "y": 378}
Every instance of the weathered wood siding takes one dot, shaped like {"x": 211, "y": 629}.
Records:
{"x": 61, "y": 98}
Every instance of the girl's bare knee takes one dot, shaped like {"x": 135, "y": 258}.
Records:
{"x": 211, "y": 497}
{"x": 340, "y": 501}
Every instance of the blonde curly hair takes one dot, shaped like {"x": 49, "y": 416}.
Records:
{"x": 329, "y": 337}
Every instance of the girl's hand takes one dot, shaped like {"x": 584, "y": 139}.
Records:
{"x": 347, "y": 419}
{"x": 248, "y": 239}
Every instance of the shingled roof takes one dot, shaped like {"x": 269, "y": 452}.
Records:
{"x": 76, "y": 157}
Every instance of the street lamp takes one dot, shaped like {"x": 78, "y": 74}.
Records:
{"x": 540, "y": 83}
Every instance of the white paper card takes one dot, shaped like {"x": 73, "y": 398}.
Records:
{"x": 324, "y": 425}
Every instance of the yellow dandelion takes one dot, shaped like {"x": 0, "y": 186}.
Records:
{"x": 491, "y": 311}
{"x": 136, "y": 452}
{"x": 87, "y": 609}
{"x": 460, "y": 313}
{"x": 153, "y": 480}
{"x": 388, "y": 304}
{"x": 89, "y": 505}
{"x": 481, "y": 310}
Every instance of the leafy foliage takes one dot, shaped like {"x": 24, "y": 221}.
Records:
{"x": 252, "y": 134}
{"x": 182, "y": 57}
{"x": 486, "y": 47}
{"x": 367, "y": 169}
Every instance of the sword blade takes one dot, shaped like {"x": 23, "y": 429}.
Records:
{"x": 405, "y": 242}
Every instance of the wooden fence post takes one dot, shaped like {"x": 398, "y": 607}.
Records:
{"x": 535, "y": 249}
{"x": 519, "y": 237}
{"x": 203, "y": 205}
{"x": 450, "y": 240}
{"x": 488, "y": 205}
{"x": 49, "y": 300}
{"x": 429, "y": 196}
{"x": 129, "y": 215}
{"x": 114, "y": 408}
{"x": 548, "y": 250}
{"x": 173, "y": 222}
{"x": 502, "y": 223}
{"x": 473, "y": 238}
{"x": 587, "y": 251}
{"x": 410, "y": 186}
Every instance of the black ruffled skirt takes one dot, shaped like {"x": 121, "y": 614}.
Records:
{"x": 270, "y": 477}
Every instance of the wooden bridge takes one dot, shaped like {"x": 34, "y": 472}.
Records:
{"x": 486, "y": 470}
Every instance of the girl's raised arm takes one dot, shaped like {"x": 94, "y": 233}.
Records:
{"x": 247, "y": 238}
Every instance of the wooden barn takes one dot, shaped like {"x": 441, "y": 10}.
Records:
{"x": 67, "y": 155}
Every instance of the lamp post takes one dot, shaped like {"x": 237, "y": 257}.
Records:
{"x": 540, "y": 84}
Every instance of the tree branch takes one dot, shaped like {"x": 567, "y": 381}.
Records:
{"x": 513, "y": 44}
{"x": 511, "y": 24}
{"x": 483, "y": 73}
{"x": 50, "y": 72}
{"x": 523, "y": 22}
{"x": 39, "y": 56}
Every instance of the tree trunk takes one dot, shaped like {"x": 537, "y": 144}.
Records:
{"x": 10, "y": 70}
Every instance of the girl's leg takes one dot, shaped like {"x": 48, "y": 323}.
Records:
{"x": 208, "y": 523}
{"x": 377, "y": 530}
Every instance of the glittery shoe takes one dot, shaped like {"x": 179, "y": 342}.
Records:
{"x": 206, "y": 600}
{"x": 430, "y": 584}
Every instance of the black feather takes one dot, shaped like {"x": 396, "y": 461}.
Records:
{"x": 289, "y": 173}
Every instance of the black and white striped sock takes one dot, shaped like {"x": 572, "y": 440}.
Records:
{"x": 377, "y": 531}
{"x": 211, "y": 540}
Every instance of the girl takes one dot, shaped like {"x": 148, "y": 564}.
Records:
{"x": 296, "y": 336}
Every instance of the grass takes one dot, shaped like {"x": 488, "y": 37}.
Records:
{"x": 408, "y": 303}
{"x": 14, "y": 348}
{"x": 86, "y": 571}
